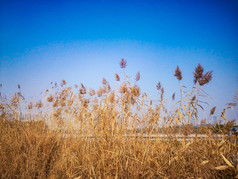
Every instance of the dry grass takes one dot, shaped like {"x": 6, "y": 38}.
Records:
{"x": 80, "y": 133}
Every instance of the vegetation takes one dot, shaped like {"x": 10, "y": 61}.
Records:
{"x": 113, "y": 133}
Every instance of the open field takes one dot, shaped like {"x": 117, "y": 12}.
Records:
{"x": 83, "y": 133}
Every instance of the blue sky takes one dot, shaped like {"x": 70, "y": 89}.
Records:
{"x": 83, "y": 41}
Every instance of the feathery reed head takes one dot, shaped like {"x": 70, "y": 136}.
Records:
{"x": 83, "y": 89}
{"x": 162, "y": 90}
{"x": 200, "y": 78}
{"x": 117, "y": 77}
{"x": 178, "y": 73}
{"x": 39, "y": 104}
{"x": 206, "y": 78}
{"x": 50, "y": 98}
{"x": 30, "y": 105}
{"x": 135, "y": 90}
{"x": 138, "y": 76}
{"x": 92, "y": 92}
{"x": 198, "y": 73}
{"x": 158, "y": 86}
{"x": 123, "y": 63}
{"x": 173, "y": 96}
{"x": 63, "y": 82}
{"x": 112, "y": 97}
{"x": 104, "y": 81}
{"x": 212, "y": 110}
{"x": 106, "y": 84}
{"x": 101, "y": 91}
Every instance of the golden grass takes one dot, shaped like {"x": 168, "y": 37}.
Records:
{"x": 76, "y": 133}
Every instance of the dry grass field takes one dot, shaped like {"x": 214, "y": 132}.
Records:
{"x": 76, "y": 132}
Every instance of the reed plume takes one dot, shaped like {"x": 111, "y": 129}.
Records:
{"x": 198, "y": 74}
{"x": 50, "y": 98}
{"x": 212, "y": 110}
{"x": 30, "y": 105}
{"x": 63, "y": 82}
{"x": 117, "y": 77}
{"x": 158, "y": 86}
{"x": 173, "y": 96}
{"x": 135, "y": 90}
{"x": 83, "y": 89}
{"x": 206, "y": 78}
{"x": 178, "y": 73}
{"x": 92, "y": 92}
{"x": 123, "y": 63}
{"x": 104, "y": 81}
{"x": 200, "y": 78}
{"x": 39, "y": 104}
{"x": 138, "y": 76}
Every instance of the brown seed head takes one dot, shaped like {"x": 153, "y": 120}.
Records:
{"x": 101, "y": 91}
{"x": 133, "y": 101}
{"x": 30, "y": 105}
{"x": 83, "y": 89}
{"x": 50, "y": 98}
{"x": 15, "y": 100}
{"x": 92, "y": 92}
{"x": 205, "y": 79}
{"x": 117, "y": 77}
{"x": 198, "y": 73}
{"x": 112, "y": 97}
{"x": 158, "y": 86}
{"x": 108, "y": 87}
{"x": 135, "y": 90}
{"x": 178, "y": 73}
{"x": 39, "y": 104}
{"x": 173, "y": 97}
{"x": 63, "y": 82}
{"x": 19, "y": 87}
{"x": 104, "y": 81}
{"x": 212, "y": 110}
{"x": 57, "y": 112}
{"x": 123, "y": 88}
{"x": 85, "y": 103}
{"x": 123, "y": 63}
{"x": 56, "y": 104}
{"x": 138, "y": 76}
{"x": 162, "y": 90}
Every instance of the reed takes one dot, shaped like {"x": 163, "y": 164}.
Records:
{"x": 113, "y": 133}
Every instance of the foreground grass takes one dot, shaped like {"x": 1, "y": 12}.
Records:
{"x": 30, "y": 152}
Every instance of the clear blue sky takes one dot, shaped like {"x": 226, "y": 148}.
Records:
{"x": 83, "y": 41}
